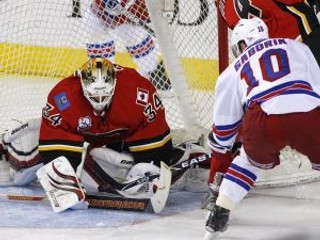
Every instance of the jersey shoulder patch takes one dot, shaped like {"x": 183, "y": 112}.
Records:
{"x": 61, "y": 101}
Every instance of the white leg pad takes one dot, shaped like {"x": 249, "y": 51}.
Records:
{"x": 25, "y": 176}
{"x": 5, "y": 177}
{"x": 116, "y": 164}
{"x": 61, "y": 185}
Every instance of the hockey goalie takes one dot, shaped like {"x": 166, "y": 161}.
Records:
{"x": 126, "y": 131}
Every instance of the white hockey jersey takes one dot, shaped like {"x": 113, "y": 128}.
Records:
{"x": 280, "y": 74}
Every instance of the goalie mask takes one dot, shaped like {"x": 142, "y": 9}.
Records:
{"x": 246, "y": 32}
{"x": 98, "y": 81}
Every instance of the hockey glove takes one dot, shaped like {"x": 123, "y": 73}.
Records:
{"x": 218, "y": 219}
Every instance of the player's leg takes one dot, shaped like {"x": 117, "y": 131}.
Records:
{"x": 304, "y": 131}
{"x": 263, "y": 137}
{"x": 237, "y": 182}
{"x": 99, "y": 41}
{"x": 219, "y": 166}
{"x": 141, "y": 46}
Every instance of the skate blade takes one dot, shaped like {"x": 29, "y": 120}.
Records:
{"x": 211, "y": 235}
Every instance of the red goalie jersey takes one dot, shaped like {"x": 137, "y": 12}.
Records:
{"x": 293, "y": 19}
{"x": 134, "y": 122}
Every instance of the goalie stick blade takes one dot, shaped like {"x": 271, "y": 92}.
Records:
{"x": 103, "y": 201}
{"x": 154, "y": 204}
{"x": 16, "y": 197}
{"x": 159, "y": 199}
{"x": 113, "y": 202}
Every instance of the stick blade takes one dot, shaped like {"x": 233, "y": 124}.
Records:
{"x": 159, "y": 199}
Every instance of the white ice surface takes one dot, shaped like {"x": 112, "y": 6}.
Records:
{"x": 258, "y": 217}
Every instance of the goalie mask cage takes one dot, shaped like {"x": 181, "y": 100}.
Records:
{"x": 44, "y": 41}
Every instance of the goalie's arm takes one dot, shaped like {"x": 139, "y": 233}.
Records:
{"x": 56, "y": 139}
{"x": 152, "y": 141}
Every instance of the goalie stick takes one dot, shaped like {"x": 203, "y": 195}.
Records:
{"x": 154, "y": 204}
{"x": 177, "y": 171}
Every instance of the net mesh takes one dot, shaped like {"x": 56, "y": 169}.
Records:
{"x": 44, "y": 41}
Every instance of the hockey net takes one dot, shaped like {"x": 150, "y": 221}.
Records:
{"x": 44, "y": 41}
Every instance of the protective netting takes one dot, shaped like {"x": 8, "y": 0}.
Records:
{"x": 43, "y": 41}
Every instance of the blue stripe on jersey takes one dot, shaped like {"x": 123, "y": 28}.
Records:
{"x": 293, "y": 87}
{"x": 106, "y": 50}
{"x": 226, "y": 132}
{"x": 142, "y": 49}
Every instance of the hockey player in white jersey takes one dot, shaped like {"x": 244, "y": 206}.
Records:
{"x": 110, "y": 22}
{"x": 272, "y": 92}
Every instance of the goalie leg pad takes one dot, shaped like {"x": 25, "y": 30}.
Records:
{"x": 116, "y": 164}
{"x": 61, "y": 185}
{"x": 22, "y": 145}
{"x": 25, "y": 176}
{"x": 5, "y": 177}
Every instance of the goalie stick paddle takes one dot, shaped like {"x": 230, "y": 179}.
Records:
{"x": 154, "y": 204}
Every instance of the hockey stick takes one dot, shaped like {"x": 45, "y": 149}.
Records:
{"x": 83, "y": 158}
{"x": 155, "y": 203}
{"x": 179, "y": 169}
{"x": 110, "y": 185}
{"x": 114, "y": 186}
{"x": 135, "y": 19}
{"x": 103, "y": 201}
